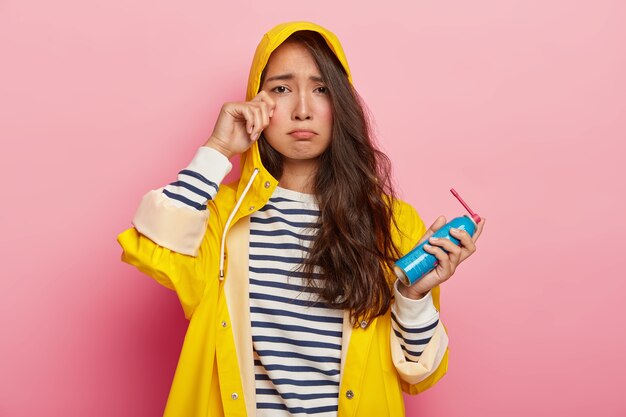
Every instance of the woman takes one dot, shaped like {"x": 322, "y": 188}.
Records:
{"x": 285, "y": 275}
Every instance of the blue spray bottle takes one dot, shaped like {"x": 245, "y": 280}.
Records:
{"x": 417, "y": 263}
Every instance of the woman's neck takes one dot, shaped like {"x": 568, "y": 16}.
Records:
{"x": 299, "y": 175}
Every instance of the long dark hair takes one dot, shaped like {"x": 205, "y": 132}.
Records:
{"x": 353, "y": 248}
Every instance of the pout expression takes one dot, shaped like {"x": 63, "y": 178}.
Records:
{"x": 301, "y": 126}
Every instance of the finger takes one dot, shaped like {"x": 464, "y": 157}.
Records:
{"x": 271, "y": 104}
{"x": 263, "y": 97}
{"x": 446, "y": 244}
{"x": 442, "y": 258}
{"x": 479, "y": 229}
{"x": 454, "y": 250}
{"x": 464, "y": 238}
{"x": 249, "y": 116}
{"x": 439, "y": 253}
{"x": 467, "y": 247}
{"x": 265, "y": 118}
{"x": 438, "y": 224}
{"x": 258, "y": 123}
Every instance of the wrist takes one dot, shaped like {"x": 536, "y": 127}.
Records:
{"x": 214, "y": 143}
{"x": 413, "y": 313}
{"x": 409, "y": 292}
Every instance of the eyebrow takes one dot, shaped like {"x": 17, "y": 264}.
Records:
{"x": 290, "y": 76}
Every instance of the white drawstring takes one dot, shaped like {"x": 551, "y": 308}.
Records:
{"x": 230, "y": 219}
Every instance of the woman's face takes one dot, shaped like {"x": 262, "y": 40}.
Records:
{"x": 300, "y": 128}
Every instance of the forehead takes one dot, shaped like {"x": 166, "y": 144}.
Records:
{"x": 291, "y": 57}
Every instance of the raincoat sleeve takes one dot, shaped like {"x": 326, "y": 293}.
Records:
{"x": 171, "y": 240}
{"x": 418, "y": 373}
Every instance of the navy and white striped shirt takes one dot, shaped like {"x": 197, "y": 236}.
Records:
{"x": 295, "y": 337}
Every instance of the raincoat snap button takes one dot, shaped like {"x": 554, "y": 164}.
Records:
{"x": 267, "y": 184}
{"x": 349, "y": 394}
{"x": 223, "y": 324}
{"x": 234, "y": 395}
{"x": 363, "y": 324}
{"x": 251, "y": 208}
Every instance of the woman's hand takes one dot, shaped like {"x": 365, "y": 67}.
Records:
{"x": 446, "y": 262}
{"x": 240, "y": 124}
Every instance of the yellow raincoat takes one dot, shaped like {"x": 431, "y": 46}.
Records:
{"x": 185, "y": 251}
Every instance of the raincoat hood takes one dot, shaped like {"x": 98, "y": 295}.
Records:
{"x": 255, "y": 185}
{"x": 271, "y": 40}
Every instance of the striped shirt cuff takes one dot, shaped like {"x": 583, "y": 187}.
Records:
{"x": 413, "y": 322}
{"x": 414, "y": 313}
{"x": 199, "y": 182}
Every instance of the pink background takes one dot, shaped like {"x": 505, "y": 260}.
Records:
{"x": 519, "y": 105}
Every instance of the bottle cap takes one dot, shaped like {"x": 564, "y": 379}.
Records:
{"x": 475, "y": 216}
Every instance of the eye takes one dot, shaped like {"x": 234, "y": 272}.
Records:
{"x": 280, "y": 89}
{"x": 322, "y": 90}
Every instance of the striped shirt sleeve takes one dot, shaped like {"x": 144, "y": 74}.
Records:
{"x": 199, "y": 181}
{"x": 414, "y": 323}
{"x": 176, "y": 216}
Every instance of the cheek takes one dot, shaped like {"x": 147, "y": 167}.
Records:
{"x": 325, "y": 115}
{"x": 323, "y": 109}
{"x": 278, "y": 119}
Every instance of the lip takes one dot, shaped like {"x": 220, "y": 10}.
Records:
{"x": 302, "y": 133}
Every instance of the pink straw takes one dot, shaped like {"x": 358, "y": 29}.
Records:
{"x": 475, "y": 216}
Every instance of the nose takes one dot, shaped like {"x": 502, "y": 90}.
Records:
{"x": 302, "y": 109}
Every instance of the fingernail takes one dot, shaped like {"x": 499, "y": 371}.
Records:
{"x": 255, "y": 136}
{"x": 427, "y": 246}
{"x": 434, "y": 239}
{"x": 453, "y": 230}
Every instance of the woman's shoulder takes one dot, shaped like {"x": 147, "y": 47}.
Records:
{"x": 408, "y": 226}
{"x": 402, "y": 211}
